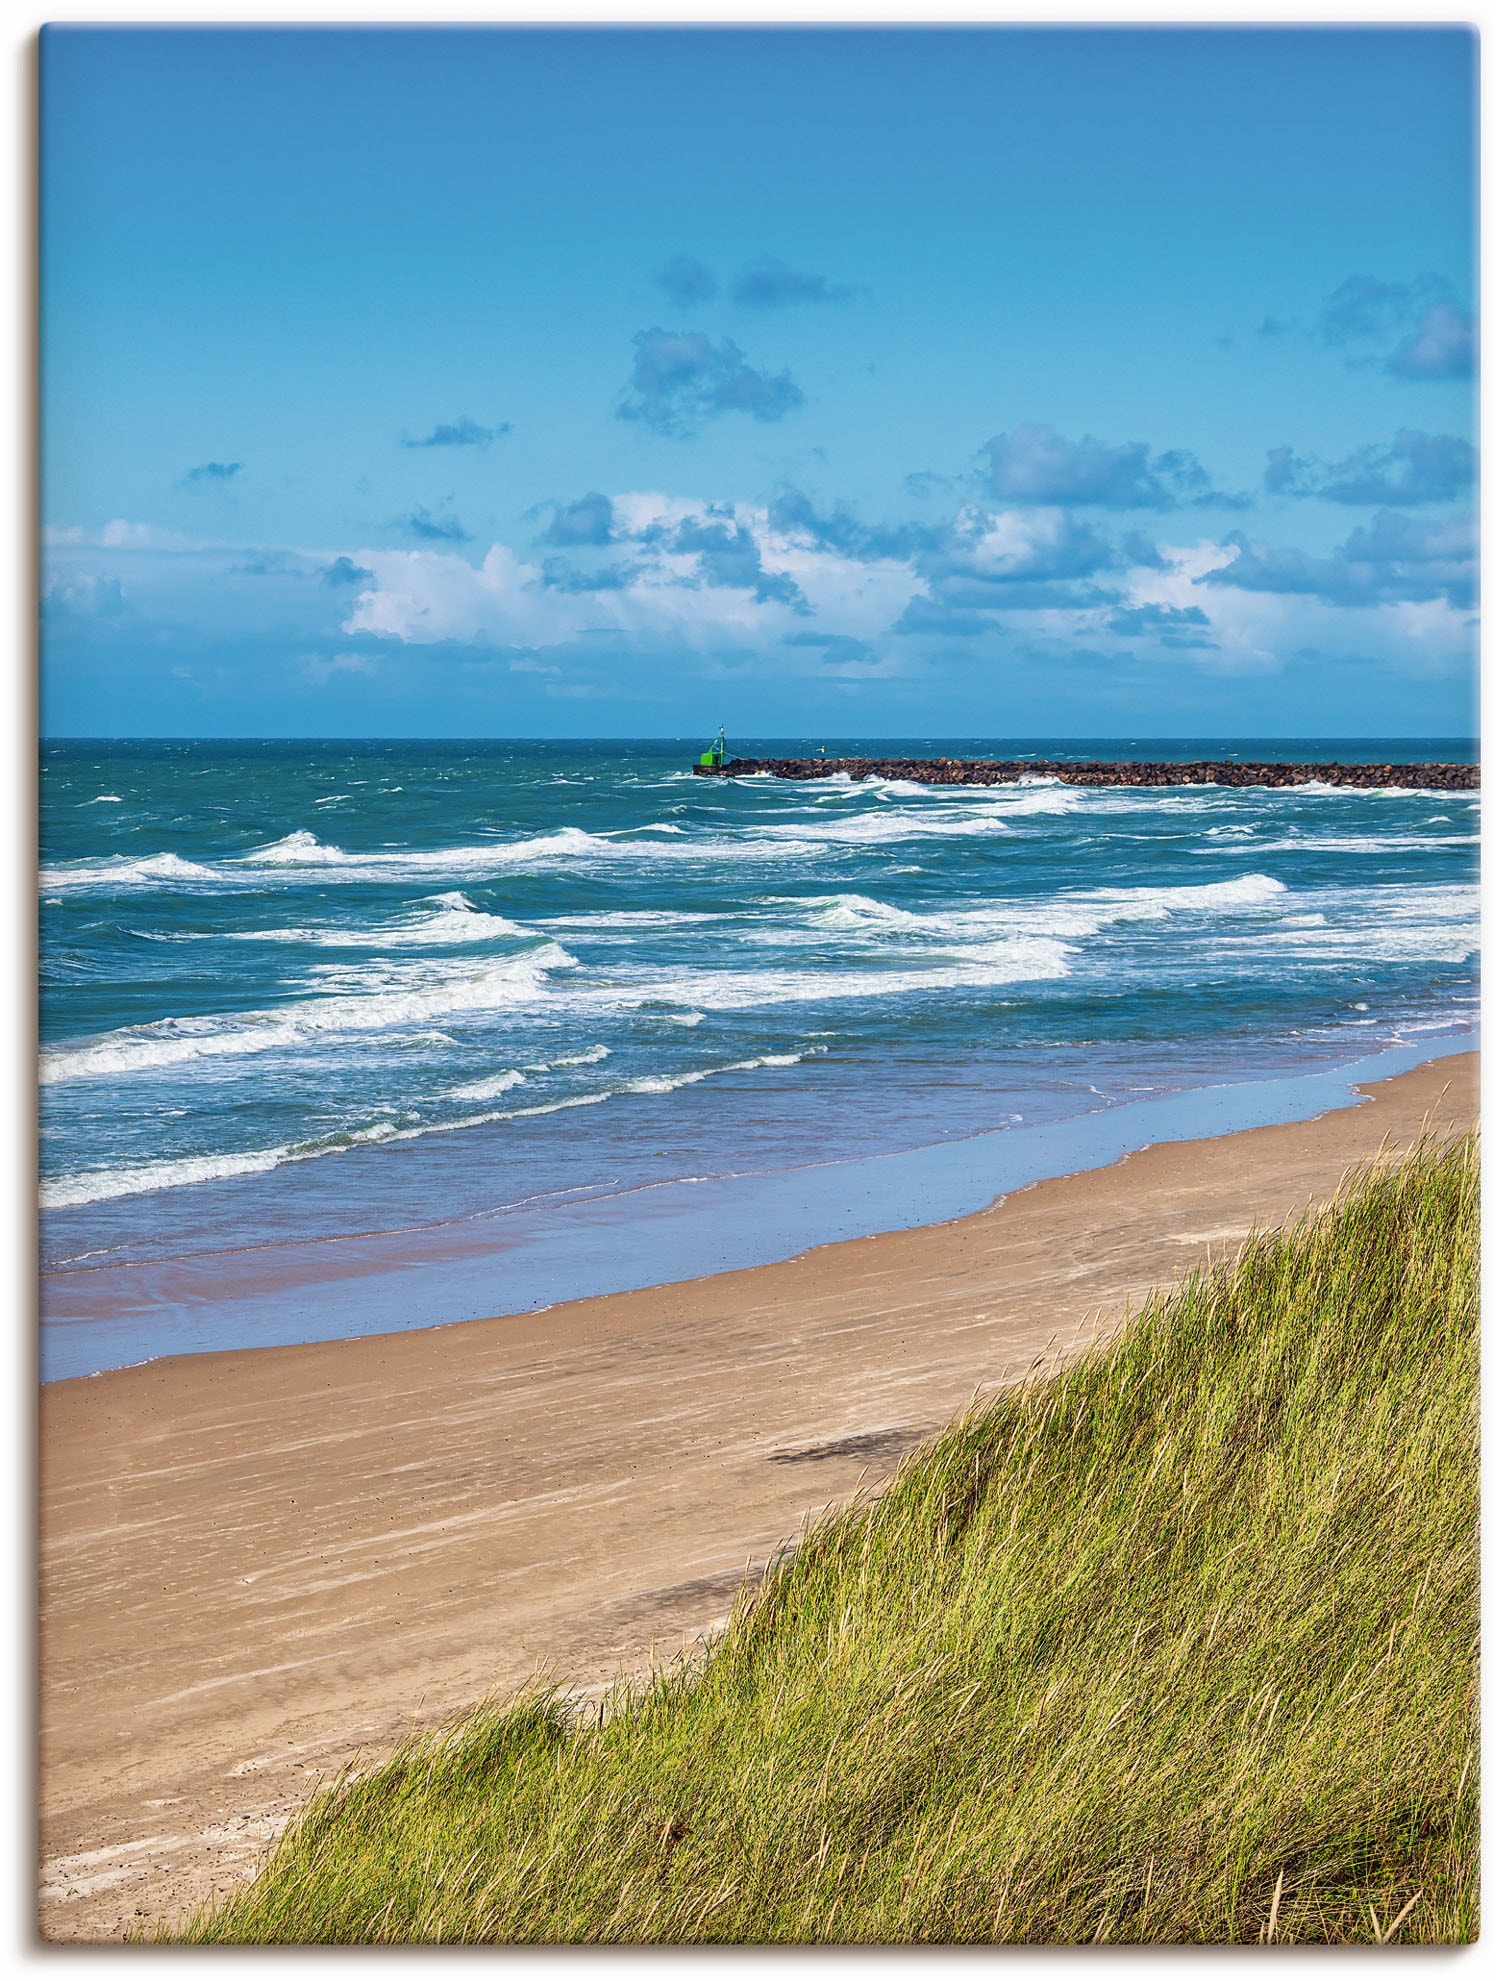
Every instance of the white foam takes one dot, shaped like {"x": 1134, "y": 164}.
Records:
{"x": 1048, "y": 801}
{"x": 1352, "y": 843}
{"x": 588, "y": 1058}
{"x": 449, "y": 920}
{"x": 305, "y": 850}
{"x": 629, "y": 918}
{"x": 1392, "y": 924}
{"x": 667, "y": 1083}
{"x": 99, "y": 1186}
{"x": 302, "y": 855}
{"x": 1018, "y": 960}
{"x": 297, "y": 849}
{"x": 125, "y": 873}
{"x": 486, "y": 1090}
{"x": 395, "y": 999}
{"x": 1250, "y": 891}
{"x": 808, "y": 836}
{"x": 1365, "y": 943}
{"x": 104, "y": 1185}
{"x": 524, "y": 1113}
{"x": 107, "y": 798}
{"x": 1084, "y": 913}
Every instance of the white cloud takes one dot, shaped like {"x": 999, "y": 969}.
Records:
{"x": 656, "y": 590}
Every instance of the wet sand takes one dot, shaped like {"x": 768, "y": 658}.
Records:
{"x": 258, "y": 1566}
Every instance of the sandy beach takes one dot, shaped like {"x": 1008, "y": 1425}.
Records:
{"x": 258, "y": 1566}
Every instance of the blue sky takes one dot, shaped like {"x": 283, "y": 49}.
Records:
{"x": 590, "y": 382}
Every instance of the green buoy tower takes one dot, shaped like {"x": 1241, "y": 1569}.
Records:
{"x": 715, "y": 755}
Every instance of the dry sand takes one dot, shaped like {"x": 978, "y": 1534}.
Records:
{"x": 257, "y": 1566}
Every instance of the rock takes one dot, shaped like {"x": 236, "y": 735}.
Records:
{"x": 953, "y": 770}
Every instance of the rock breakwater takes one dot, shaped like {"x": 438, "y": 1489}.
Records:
{"x": 961, "y": 770}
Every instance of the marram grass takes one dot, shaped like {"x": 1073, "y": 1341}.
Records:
{"x": 1176, "y": 1645}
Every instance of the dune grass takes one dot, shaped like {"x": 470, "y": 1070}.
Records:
{"x": 1175, "y": 1645}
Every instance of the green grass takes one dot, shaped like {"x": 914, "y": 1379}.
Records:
{"x": 1175, "y": 1645}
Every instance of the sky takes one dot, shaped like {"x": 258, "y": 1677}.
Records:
{"x": 880, "y": 382}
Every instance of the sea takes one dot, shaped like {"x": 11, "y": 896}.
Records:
{"x": 340, "y": 1038}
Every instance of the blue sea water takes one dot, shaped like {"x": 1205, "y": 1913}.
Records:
{"x": 348, "y": 1036}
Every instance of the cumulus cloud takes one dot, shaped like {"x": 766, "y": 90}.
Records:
{"x": 1414, "y": 330}
{"x": 643, "y": 580}
{"x": 681, "y": 378}
{"x": 212, "y": 471}
{"x": 695, "y": 574}
{"x": 432, "y": 529}
{"x": 1017, "y": 560}
{"x": 728, "y": 554}
{"x": 1414, "y": 468}
{"x": 1016, "y": 546}
{"x": 793, "y": 514}
{"x": 589, "y": 520}
{"x": 563, "y": 576}
{"x": 687, "y": 282}
{"x": 1395, "y": 559}
{"x": 425, "y": 597}
{"x": 464, "y": 432}
{"x": 1036, "y": 464}
{"x": 769, "y": 285}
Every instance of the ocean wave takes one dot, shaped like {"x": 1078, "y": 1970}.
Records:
{"x": 1248, "y": 891}
{"x": 503, "y": 1083}
{"x": 390, "y": 1004}
{"x": 99, "y": 1186}
{"x": 1047, "y": 801}
{"x": 793, "y": 836}
{"x": 1018, "y": 960}
{"x": 297, "y": 849}
{"x": 1391, "y": 924}
{"x": 446, "y": 921}
{"x": 125, "y": 873}
{"x": 485, "y": 1090}
{"x": 305, "y": 850}
{"x": 1084, "y": 913}
{"x": 630, "y": 918}
{"x": 301, "y": 856}
{"x": 1428, "y": 943}
{"x": 1352, "y": 843}
{"x": 588, "y": 1058}
{"x": 667, "y": 1083}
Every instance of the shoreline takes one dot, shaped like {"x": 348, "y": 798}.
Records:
{"x": 260, "y": 1563}
{"x": 514, "y": 1261}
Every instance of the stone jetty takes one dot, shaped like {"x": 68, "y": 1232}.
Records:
{"x": 984, "y": 770}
